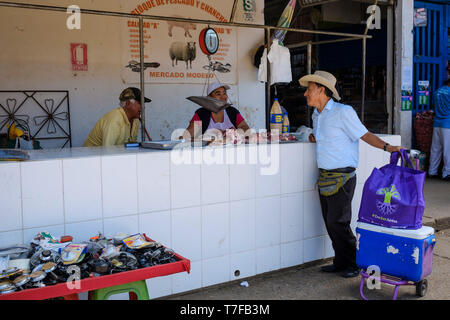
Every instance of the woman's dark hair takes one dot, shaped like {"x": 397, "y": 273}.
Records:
{"x": 328, "y": 92}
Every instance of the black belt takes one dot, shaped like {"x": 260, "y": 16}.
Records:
{"x": 340, "y": 170}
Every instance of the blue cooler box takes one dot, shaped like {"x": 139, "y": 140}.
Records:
{"x": 402, "y": 253}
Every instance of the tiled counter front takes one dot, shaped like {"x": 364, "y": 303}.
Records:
{"x": 228, "y": 219}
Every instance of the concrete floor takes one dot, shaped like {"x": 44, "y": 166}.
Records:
{"x": 437, "y": 203}
{"x": 307, "y": 282}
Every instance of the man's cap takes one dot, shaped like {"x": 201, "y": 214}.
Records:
{"x": 215, "y": 85}
{"x": 132, "y": 93}
{"x": 324, "y": 78}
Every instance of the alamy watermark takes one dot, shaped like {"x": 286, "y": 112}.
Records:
{"x": 373, "y": 281}
{"x": 229, "y": 148}
{"x": 73, "y": 22}
{"x": 374, "y": 20}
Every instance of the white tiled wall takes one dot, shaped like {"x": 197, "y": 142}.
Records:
{"x": 290, "y": 220}
{"x": 215, "y": 230}
{"x": 242, "y": 226}
{"x": 153, "y": 182}
{"x": 82, "y": 189}
{"x": 230, "y": 220}
{"x": 243, "y": 265}
{"x": 119, "y": 181}
{"x": 215, "y": 270}
{"x": 291, "y": 254}
{"x": 42, "y": 193}
{"x": 10, "y": 197}
{"x": 268, "y": 259}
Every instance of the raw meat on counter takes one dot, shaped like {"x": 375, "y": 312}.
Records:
{"x": 267, "y": 137}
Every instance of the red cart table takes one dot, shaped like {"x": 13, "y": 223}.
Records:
{"x": 94, "y": 283}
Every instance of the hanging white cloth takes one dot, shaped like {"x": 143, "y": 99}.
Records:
{"x": 280, "y": 63}
{"x": 262, "y": 71}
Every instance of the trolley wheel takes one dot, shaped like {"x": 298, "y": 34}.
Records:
{"x": 421, "y": 288}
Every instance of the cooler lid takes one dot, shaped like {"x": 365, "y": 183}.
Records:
{"x": 421, "y": 233}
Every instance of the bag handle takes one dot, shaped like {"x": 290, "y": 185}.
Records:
{"x": 403, "y": 155}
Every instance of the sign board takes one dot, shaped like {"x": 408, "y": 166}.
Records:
{"x": 420, "y": 17}
{"x": 424, "y": 92}
{"x": 406, "y": 100}
{"x": 171, "y": 48}
{"x": 79, "y": 58}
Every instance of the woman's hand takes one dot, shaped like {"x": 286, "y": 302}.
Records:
{"x": 312, "y": 138}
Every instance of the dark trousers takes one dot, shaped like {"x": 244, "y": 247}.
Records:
{"x": 337, "y": 215}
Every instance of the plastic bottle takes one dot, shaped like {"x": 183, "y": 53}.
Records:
{"x": 286, "y": 126}
{"x": 276, "y": 116}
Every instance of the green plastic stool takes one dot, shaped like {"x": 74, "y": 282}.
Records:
{"x": 137, "y": 290}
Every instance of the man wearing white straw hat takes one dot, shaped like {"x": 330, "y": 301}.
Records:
{"x": 336, "y": 131}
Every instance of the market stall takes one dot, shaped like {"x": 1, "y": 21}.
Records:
{"x": 264, "y": 215}
{"x": 234, "y": 211}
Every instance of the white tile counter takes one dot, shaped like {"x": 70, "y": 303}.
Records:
{"x": 231, "y": 221}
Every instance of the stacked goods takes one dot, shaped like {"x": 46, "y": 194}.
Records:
{"x": 276, "y": 117}
{"x": 49, "y": 261}
{"x": 423, "y": 128}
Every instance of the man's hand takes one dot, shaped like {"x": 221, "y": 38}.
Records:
{"x": 376, "y": 142}
{"x": 312, "y": 138}
{"x": 394, "y": 149}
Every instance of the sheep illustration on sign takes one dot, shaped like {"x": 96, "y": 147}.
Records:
{"x": 186, "y": 26}
{"x": 183, "y": 52}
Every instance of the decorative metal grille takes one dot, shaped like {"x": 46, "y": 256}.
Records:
{"x": 45, "y": 114}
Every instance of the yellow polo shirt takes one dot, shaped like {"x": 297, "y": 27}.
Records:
{"x": 113, "y": 128}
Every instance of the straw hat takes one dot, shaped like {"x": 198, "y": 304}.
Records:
{"x": 324, "y": 78}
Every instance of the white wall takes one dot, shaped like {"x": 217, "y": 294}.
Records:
{"x": 403, "y": 62}
{"x": 37, "y": 57}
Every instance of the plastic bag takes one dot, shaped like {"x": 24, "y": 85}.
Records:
{"x": 303, "y": 133}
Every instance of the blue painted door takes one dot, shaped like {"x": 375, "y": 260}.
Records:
{"x": 430, "y": 52}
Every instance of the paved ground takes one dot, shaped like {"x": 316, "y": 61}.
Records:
{"x": 437, "y": 203}
{"x": 307, "y": 282}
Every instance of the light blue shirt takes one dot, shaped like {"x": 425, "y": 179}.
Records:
{"x": 337, "y": 130}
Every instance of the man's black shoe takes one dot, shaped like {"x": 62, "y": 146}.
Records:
{"x": 331, "y": 268}
{"x": 446, "y": 178}
{"x": 350, "y": 272}
{"x": 432, "y": 176}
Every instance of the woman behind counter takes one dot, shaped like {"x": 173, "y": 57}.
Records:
{"x": 230, "y": 119}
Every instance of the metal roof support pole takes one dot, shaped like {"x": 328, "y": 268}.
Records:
{"x": 164, "y": 18}
{"x": 363, "y": 78}
{"x": 305, "y": 43}
{"x": 308, "y": 59}
{"x": 390, "y": 68}
{"x": 308, "y": 71}
{"x": 267, "y": 45}
{"x": 364, "y": 42}
{"x": 142, "y": 74}
{"x": 233, "y": 11}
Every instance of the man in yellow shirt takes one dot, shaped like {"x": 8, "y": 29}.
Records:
{"x": 120, "y": 125}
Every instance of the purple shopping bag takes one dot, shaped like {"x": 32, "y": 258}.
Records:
{"x": 393, "y": 195}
